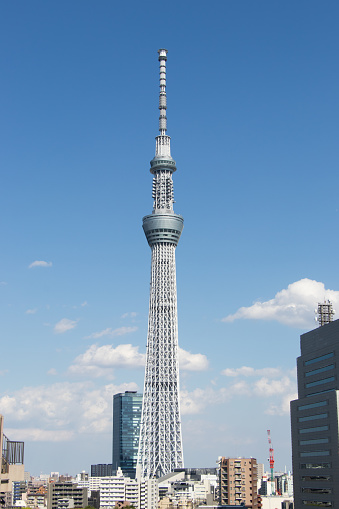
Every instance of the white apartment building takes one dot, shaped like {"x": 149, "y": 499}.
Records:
{"x": 114, "y": 489}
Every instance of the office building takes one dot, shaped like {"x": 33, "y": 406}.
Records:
{"x": 101, "y": 469}
{"x": 238, "y": 482}
{"x": 314, "y": 420}
{"x": 126, "y": 431}
{"x": 160, "y": 449}
{"x": 66, "y": 494}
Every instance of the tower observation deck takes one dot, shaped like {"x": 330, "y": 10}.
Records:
{"x": 160, "y": 445}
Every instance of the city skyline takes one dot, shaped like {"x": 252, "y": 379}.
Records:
{"x": 253, "y": 108}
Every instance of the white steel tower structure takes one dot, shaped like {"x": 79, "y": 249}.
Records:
{"x": 160, "y": 446}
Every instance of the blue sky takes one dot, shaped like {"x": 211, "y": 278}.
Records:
{"x": 253, "y": 116}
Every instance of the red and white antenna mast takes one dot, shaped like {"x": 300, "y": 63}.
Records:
{"x": 271, "y": 458}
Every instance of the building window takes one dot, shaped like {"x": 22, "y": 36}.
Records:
{"x": 313, "y": 405}
{"x": 318, "y": 359}
{"x": 316, "y": 478}
{"x": 314, "y": 441}
{"x": 316, "y": 465}
{"x": 317, "y": 503}
{"x": 318, "y": 491}
{"x": 319, "y": 392}
{"x": 312, "y": 417}
{"x": 314, "y": 453}
{"x": 320, "y": 382}
{"x": 319, "y": 370}
{"x": 316, "y": 428}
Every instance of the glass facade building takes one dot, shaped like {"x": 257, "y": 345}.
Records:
{"x": 126, "y": 430}
{"x": 315, "y": 420}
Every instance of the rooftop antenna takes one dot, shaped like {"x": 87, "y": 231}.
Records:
{"x": 325, "y": 313}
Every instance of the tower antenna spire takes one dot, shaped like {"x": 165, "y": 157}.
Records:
{"x": 162, "y": 95}
{"x": 163, "y": 141}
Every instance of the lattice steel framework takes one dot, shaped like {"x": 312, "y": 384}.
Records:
{"x": 160, "y": 445}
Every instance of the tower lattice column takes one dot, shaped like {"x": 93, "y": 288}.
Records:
{"x": 160, "y": 446}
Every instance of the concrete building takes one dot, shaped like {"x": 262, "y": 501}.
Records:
{"x": 238, "y": 482}
{"x": 11, "y": 466}
{"x": 314, "y": 420}
{"x": 36, "y": 497}
{"x": 118, "y": 489}
{"x": 63, "y": 491}
{"x": 188, "y": 487}
{"x": 126, "y": 431}
{"x": 276, "y": 502}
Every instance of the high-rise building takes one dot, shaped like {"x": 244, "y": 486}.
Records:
{"x": 126, "y": 430}
{"x": 160, "y": 449}
{"x": 314, "y": 420}
{"x": 238, "y": 482}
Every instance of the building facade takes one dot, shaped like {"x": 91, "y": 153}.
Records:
{"x": 60, "y": 492}
{"x": 160, "y": 449}
{"x": 102, "y": 469}
{"x": 126, "y": 431}
{"x": 11, "y": 466}
{"x": 119, "y": 489}
{"x": 238, "y": 482}
{"x": 314, "y": 420}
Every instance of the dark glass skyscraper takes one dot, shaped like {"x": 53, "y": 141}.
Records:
{"x": 315, "y": 420}
{"x": 126, "y": 429}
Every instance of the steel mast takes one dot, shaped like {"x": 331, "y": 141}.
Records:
{"x": 160, "y": 445}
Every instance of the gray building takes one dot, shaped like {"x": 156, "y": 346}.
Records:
{"x": 127, "y": 408}
{"x": 101, "y": 470}
{"x": 66, "y": 494}
{"x": 314, "y": 420}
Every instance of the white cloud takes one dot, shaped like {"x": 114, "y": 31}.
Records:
{"x": 39, "y": 435}
{"x": 31, "y": 311}
{"x": 266, "y": 388}
{"x": 52, "y": 372}
{"x": 292, "y": 306}
{"x": 284, "y": 407}
{"x": 131, "y": 314}
{"x": 99, "y": 360}
{"x": 58, "y": 411}
{"x": 192, "y": 361}
{"x": 64, "y": 325}
{"x": 278, "y": 387}
{"x": 3, "y": 283}
{"x": 247, "y": 371}
{"x": 112, "y": 333}
{"x": 40, "y": 263}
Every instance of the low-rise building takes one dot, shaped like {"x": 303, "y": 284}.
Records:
{"x": 66, "y": 490}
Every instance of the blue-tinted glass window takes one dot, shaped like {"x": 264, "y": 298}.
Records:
{"x": 312, "y": 417}
{"x": 320, "y": 382}
{"x": 320, "y": 370}
{"x": 313, "y": 405}
{"x": 314, "y": 441}
{"x": 318, "y": 359}
{"x": 314, "y": 453}
{"x": 316, "y": 428}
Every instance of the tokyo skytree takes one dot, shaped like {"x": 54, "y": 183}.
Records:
{"x": 160, "y": 445}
